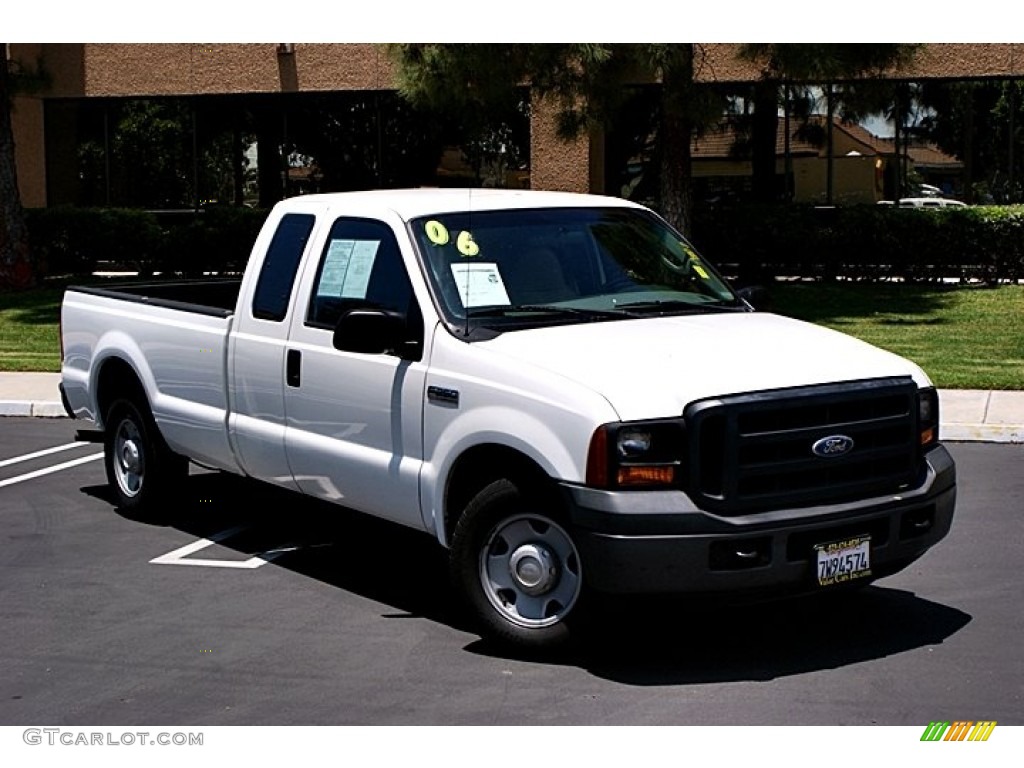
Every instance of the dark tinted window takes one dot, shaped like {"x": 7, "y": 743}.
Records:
{"x": 277, "y": 277}
{"x": 361, "y": 266}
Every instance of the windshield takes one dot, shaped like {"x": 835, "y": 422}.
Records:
{"x": 523, "y": 268}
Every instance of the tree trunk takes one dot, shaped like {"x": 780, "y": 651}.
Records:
{"x": 16, "y": 268}
{"x": 675, "y": 134}
{"x": 968, "y": 112}
{"x": 830, "y": 160}
{"x": 766, "y": 126}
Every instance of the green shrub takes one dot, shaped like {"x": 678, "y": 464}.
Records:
{"x": 79, "y": 241}
{"x": 752, "y": 243}
{"x": 864, "y": 242}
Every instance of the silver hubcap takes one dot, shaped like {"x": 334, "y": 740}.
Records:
{"x": 533, "y": 569}
{"x": 129, "y": 462}
{"x": 530, "y": 571}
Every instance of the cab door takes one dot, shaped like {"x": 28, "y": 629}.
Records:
{"x": 353, "y": 434}
{"x": 257, "y": 350}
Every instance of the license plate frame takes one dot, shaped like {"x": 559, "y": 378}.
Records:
{"x": 843, "y": 560}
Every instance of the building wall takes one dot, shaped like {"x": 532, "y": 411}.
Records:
{"x": 29, "y": 151}
{"x": 556, "y": 164}
{"x": 854, "y": 180}
{"x": 717, "y": 62}
{"x": 29, "y": 138}
{"x": 125, "y": 70}
{"x": 173, "y": 69}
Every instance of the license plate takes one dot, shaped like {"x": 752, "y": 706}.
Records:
{"x": 840, "y": 561}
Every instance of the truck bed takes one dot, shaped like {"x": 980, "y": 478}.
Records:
{"x": 207, "y": 297}
{"x": 175, "y": 334}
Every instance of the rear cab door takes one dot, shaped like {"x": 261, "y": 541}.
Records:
{"x": 256, "y": 357}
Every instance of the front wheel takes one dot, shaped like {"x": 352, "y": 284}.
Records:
{"x": 142, "y": 472}
{"x": 517, "y": 567}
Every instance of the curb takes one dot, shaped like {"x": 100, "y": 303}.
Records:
{"x": 47, "y": 409}
{"x": 981, "y": 433}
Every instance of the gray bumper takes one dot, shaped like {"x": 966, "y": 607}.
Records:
{"x": 658, "y": 541}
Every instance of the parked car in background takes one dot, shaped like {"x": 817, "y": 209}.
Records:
{"x": 925, "y": 202}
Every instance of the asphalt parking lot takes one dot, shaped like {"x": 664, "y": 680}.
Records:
{"x": 252, "y": 606}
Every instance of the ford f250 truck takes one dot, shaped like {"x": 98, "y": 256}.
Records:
{"x": 557, "y": 387}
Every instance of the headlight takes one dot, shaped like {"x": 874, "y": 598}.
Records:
{"x": 636, "y": 455}
{"x": 633, "y": 443}
{"x": 928, "y": 416}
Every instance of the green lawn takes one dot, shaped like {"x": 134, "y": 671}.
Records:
{"x": 965, "y": 338}
{"x": 29, "y": 335}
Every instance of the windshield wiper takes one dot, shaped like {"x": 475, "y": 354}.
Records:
{"x": 675, "y": 305}
{"x": 583, "y": 312}
{"x": 547, "y": 309}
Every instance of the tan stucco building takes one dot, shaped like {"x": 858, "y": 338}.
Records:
{"x": 44, "y": 122}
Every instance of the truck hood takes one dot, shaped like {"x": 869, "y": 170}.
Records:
{"x": 654, "y": 367}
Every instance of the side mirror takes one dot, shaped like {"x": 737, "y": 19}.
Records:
{"x": 371, "y": 331}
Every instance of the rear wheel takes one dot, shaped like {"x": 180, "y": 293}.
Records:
{"x": 142, "y": 471}
{"x": 518, "y": 567}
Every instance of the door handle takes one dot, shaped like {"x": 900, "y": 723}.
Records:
{"x": 293, "y": 368}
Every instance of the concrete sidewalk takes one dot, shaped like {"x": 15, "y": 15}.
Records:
{"x": 967, "y": 415}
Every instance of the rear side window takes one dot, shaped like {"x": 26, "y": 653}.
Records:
{"x": 274, "y": 287}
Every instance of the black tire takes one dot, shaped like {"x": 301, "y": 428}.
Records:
{"x": 144, "y": 474}
{"x": 517, "y": 567}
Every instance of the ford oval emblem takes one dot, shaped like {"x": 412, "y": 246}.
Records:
{"x": 833, "y": 446}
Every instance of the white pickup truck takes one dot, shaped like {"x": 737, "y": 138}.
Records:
{"x": 556, "y": 386}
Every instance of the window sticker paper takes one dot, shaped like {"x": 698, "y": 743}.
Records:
{"x": 480, "y": 284}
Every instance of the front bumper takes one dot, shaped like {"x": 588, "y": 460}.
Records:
{"x": 659, "y": 541}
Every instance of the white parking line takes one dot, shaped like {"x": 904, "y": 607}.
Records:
{"x": 50, "y": 470}
{"x": 180, "y": 556}
{"x": 44, "y": 452}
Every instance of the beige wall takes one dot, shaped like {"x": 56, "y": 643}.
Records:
{"x": 30, "y": 151}
{"x": 554, "y": 163}
{"x": 29, "y": 138}
{"x": 125, "y": 69}
{"x": 854, "y": 177}
{"x": 208, "y": 68}
{"x": 853, "y": 180}
{"x": 717, "y": 62}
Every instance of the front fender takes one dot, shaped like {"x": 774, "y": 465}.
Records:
{"x": 560, "y": 453}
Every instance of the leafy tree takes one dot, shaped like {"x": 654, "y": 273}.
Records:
{"x": 365, "y": 140}
{"x": 993, "y": 160}
{"x": 154, "y": 158}
{"x": 586, "y": 82}
{"x": 17, "y": 270}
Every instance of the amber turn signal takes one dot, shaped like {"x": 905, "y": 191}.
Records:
{"x": 646, "y": 475}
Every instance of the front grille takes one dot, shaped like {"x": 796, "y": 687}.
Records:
{"x": 753, "y": 452}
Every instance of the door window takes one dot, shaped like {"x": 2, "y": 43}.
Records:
{"x": 361, "y": 267}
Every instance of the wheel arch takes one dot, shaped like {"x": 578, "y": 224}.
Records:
{"x": 481, "y": 465}
{"x": 117, "y": 378}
